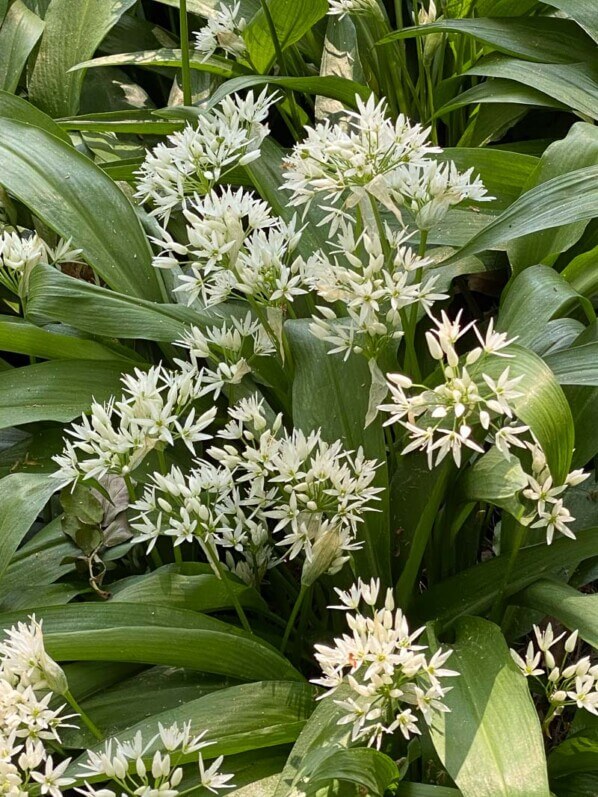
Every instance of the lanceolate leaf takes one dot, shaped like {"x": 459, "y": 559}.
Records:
{"x": 57, "y": 297}
{"x": 544, "y": 39}
{"x": 562, "y": 200}
{"x": 572, "y": 608}
{"x": 237, "y": 718}
{"x": 58, "y": 390}
{"x": 542, "y": 405}
{"x": 490, "y": 742}
{"x": 291, "y": 21}
{"x": 162, "y": 58}
{"x": 575, "y": 85}
{"x": 13, "y": 107}
{"x": 19, "y": 34}
{"x": 158, "y": 635}
{"x": 77, "y": 200}
{"x": 498, "y": 90}
{"x": 74, "y": 29}
{"x": 338, "y": 88}
{"x": 582, "y": 11}
{"x": 576, "y": 366}
{"x": 22, "y": 497}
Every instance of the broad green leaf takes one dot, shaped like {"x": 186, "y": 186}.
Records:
{"x": 558, "y": 334}
{"x": 498, "y": 90}
{"x": 58, "y": 390}
{"x": 162, "y": 58}
{"x": 324, "y": 381}
{"x": 19, "y": 34}
{"x": 124, "y": 702}
{"x": 148, "y": 634}
{"x": 575, "y": 85}
{"x": 578, "y": 150}
{"x": 582, "y": 273}
{"x": 57, "y": 297}
{"x": 474, "y": 590}
{"x": 12, "y": 107}
{"x": 17, "y": 335}
{"x": 79, "y": 202}
{"x": 544, "y": 39}
{"x": 321, "y": 736}
{"x": 576, "y": 366}
{"x": 572, "y": 608}
{"x": 191, "y": 585}
{"x": 38, "y": 561}
{"x": 338, "y": 88}
{"x": 22, "y": 497}
{"x": 582, "y": 11}
{"x": 566, "y": 199}
{"x": 238, "y": 718}
{"x": 534, "y": 297}
{"x": 490, "y": 741}
{"x": 74, "y": 29}
{"x": 542, "y": 405}
{"x": 503, "y": 173}
{"x": 583, "y": 402}
{"x": 291, "y": 21}
{"x": 496, "y": 480}
{"x": 39, "y": 597}
{"x": 368, "y": 769}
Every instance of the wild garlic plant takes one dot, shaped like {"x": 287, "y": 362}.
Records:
{"x": 388, "y": 682}
{"x": 130, "y": 768}
{"x": 563, "y": 683}
{"x": 31, "y": 716}
{"x": 22, "y": 250}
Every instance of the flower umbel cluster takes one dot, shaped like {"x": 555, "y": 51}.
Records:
{"x": 372, "y": 158}
{"x": 130, "y": 766}
{"x": 270, "y": 487}
{"x": 155, "y": 409}
{"x": 374, "y": 279}
{"x": 29, "y": 726}
{"x": 237, "y": 247}
{"x": 387, "y": 679}
{"x": 196, "y": 158}
{"x": 223, "y": 31}
{"x": 549, "y": 511}
{"x": 20, "y": 254}
{"x": 441, "y": 419}
{"x": 564, "y": 684}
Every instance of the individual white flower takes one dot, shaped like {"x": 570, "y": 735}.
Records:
{"x": 223, "y": 31}
{"x": 211, "y": 778}
{"x": 530, "y": 665}
{"x": 51, "y": 780}
{"x": 555, "y": 518}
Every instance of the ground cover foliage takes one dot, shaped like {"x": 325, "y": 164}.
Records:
{"x": 298, "y": 398}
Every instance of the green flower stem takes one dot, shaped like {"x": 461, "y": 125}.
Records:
{"x": 514, "y": 534}
{"x": 185, "y": 68}
{"x": 76, "y": 707}
{"x": 130, "y": 488}
{"x": 293, "y": 617}
{"x": 227, "y": 585}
